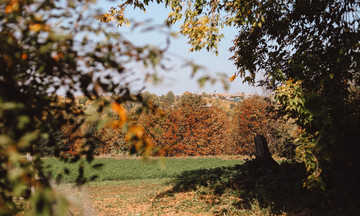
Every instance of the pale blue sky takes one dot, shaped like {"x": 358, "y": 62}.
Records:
{"x": 178, "y": 79}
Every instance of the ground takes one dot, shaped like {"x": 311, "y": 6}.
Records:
{"x": 146, "y": 197}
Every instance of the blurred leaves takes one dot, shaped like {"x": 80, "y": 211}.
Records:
{"x": 50, "y": 53}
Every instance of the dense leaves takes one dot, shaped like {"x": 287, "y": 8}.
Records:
{"x": 250, "y": 119}
{"x": 188, "y": 128}
{"x": 312, "y": 44}
{"x": 50, "y": 48}
{"x": 189, "y": 125}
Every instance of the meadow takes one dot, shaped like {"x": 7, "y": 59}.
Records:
{"x": 194, "y": 186}
{"x": 134, "y": 186}
{"x": 111, "y": 169}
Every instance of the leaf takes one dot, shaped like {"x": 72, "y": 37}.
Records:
{"x": 202, "y": 81}
{"x": 5, "y": 140}
{"x": 35, "y": 27}
{"x": 232, "y": 78}
{"x": 26, "y": 140}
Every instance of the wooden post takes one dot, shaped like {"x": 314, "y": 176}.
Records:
{"x": 262, "y": 153}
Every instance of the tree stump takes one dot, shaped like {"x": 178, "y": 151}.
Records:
{"x": 262, "y": 153}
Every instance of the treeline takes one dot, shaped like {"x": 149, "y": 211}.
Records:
{"x": 186, "y": 125}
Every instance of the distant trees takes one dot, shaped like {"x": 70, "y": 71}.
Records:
{"x": 249, "y": 119}
{"x": 169, "y": 97}
{"x": 194, "y": 127}
{"x": 190, "y": 125}
{"x": 188, "y": 128}
{"x": 256, "y": 116}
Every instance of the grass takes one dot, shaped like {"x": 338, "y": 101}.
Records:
{"x": 200, "y": 186}
{"x": 132, "y": 169}
{"x": 136, "y": 187}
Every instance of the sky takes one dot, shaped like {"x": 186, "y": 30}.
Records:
{"x": 178, "y": 79}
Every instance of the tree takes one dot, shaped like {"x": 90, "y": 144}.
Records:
{"x": 189, "y": 128}
{"x": 170, "y": 98}
{"x": 250, "y": 119}
{"x": 310, "y": 47}
{"x": 50, "y": 48}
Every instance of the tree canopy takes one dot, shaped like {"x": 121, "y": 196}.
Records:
{"x": 309, "y": 48}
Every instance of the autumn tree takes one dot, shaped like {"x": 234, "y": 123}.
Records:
{"x": 248, "y": 120}
{"x": 188, "y": 128}
{"x": 169, "y": 99}
{"x": 310, "y": 47}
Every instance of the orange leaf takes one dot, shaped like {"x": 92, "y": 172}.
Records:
{"x": 24, "y": 56}
{"x": 35, "y": 27}
{"x": 120, "y": 110}
{"x": 232, "y": 78}
{"x": 8, "y": 9}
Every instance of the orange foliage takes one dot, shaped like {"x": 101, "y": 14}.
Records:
{"x": 189, "y": 128}
{"x": 249, "y": 119}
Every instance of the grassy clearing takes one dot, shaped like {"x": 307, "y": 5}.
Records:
{"x": 137, "y": 187}
{"x": 131, "y": 169}
{"x": 201, "y": 186}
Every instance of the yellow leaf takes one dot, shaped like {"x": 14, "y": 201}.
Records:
{"x": 232, "y": 78}
{"x": 38, "y": 17}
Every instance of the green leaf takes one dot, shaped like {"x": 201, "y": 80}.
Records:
{"x": 5, "y": 140}
{"x": 202, "y": 81}
{"x": 26, "y": 140}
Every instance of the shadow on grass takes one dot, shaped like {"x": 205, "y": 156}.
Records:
{"x": 278, "y": 189}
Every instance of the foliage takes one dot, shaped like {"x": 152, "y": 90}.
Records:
{"x": 188, "y": 128}
{"x": 249, "y": 119}
{"x": 169, "y": 127}
{"x": 292, "y": 94}
{"x": 82, "y": 100}
{"x": 313, "y": 43}
{"x": 112, "y": 140}
{"x": 169, "y": 99}
{"x": 253, "y": 116}
{"x": 283, "y": 133}
{"x": 257, "y": 115}
{"x": 50, "y": 48}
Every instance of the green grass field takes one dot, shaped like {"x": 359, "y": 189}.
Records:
{"x": 132, "y": 169}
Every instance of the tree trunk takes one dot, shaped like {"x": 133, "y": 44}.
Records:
{"x": 262, "y": 153}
